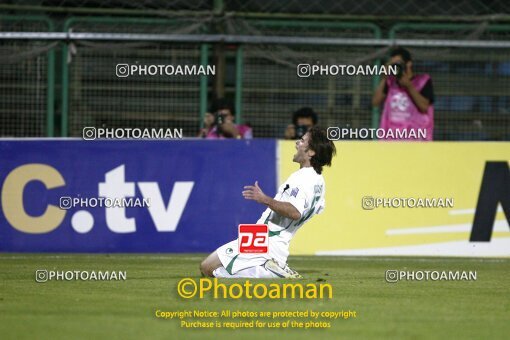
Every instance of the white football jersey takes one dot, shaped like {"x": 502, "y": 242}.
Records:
{"x": 305, "y": 190}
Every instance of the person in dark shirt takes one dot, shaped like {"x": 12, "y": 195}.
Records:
{"x": 302, "y": 120}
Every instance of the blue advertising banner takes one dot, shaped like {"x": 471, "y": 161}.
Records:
{"x": 129, "y": 196}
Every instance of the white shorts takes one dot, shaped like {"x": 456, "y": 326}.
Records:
{"x": 233, "y": 261}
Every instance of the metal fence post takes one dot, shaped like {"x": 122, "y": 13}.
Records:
{"x": 204, "y": 59}
{"x": 239, "y": 84}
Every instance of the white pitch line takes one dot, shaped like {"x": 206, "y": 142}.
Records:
{"x": 497, "y": 247}
{"x": 470, "y": 211}
{"x": 391, "y": 258}
{"x": 81, "y": 256}
{"x": 499, "y": 226}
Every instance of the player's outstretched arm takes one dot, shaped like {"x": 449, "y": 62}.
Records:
{"x": 282, "y": 208}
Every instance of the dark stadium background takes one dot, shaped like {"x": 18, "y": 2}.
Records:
{"x": 58, "y": 75}
{"x": 55, "y": 87}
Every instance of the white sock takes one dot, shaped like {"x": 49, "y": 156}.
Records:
{"x": 257, "y": 272}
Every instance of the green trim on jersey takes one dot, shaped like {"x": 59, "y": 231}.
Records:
{"x": 231, "y": 264}
{"x": 274, "y": 233}
{"x": 267, "y": 218}
{"x": 310, "y": 213}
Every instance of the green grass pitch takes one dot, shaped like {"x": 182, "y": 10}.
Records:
{"x": 125, "y": 309}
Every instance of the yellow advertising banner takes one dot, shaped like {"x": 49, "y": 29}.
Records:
{"x": 402, "y": 198}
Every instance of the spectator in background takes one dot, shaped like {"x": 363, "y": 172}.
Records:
{"x": 475, "y": 131}
{"x": 302, "y": 120}
{"x": 220, "y": 124}
{"x": 407, "y": 98}
{"x": 208, "y": 124}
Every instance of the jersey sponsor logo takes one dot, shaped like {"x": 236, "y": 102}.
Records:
{"x": 253, "y": 238}
{"x": 294, "y": 192}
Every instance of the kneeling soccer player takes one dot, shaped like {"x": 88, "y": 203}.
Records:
{"x": 297, "y": 200}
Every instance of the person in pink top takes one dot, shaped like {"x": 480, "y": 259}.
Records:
{"x": 220, "y": 124}
{"x": 407, "y": 98}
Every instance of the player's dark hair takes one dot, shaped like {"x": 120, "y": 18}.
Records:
{"x": 222, "y": 104}
{"x": 405, "y": 54}
{"x": 305, "y": 112}
{"x": 323, "y": 147}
